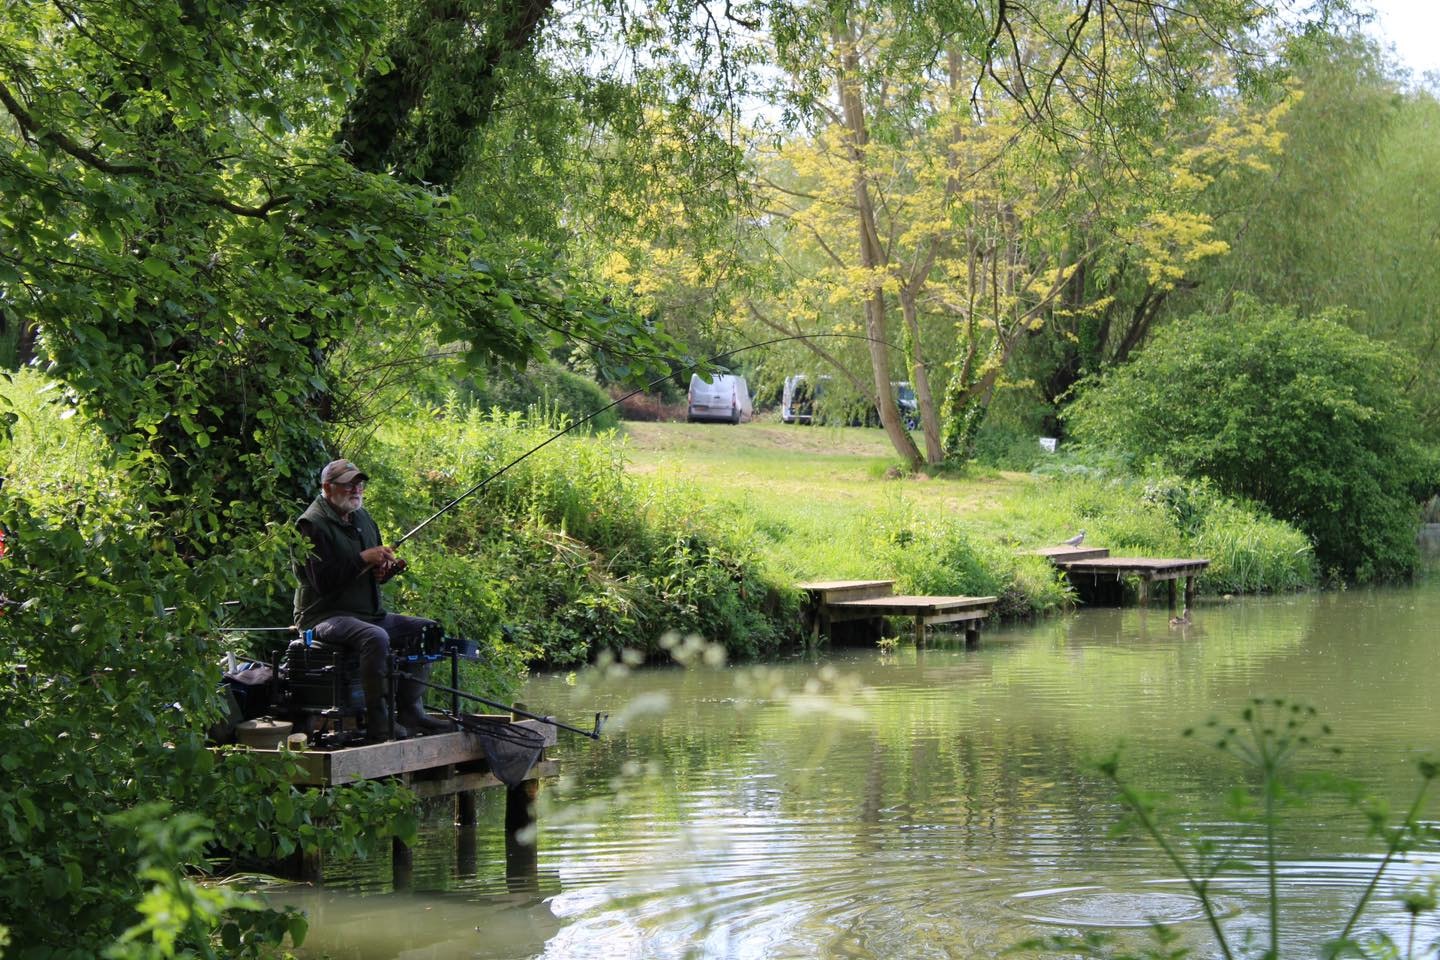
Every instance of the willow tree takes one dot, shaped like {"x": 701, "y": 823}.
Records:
{"x": 1346, "y": 217}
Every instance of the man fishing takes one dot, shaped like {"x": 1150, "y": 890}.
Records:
{"x": 338, "y": 596}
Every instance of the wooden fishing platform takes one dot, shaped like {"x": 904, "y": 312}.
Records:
{"x": 1064, "y": 554}
{"x": 1077, "y": 562}
{"x": 433, "y": 766}
{"x": 839, "y": 601}
{"x": 436, "y": 765}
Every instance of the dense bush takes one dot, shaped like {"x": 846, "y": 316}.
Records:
{"x": 564, "y": 549}
{"x": 1301, "y": 415}
{"x": 110, "y": 664}
{"x": 549, "y": 390}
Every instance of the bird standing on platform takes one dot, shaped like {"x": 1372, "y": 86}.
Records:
{"x": 1076, "y": 540}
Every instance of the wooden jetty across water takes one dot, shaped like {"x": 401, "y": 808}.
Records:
{"x": 437, "y": 765}
{"x": 838, "y": 601}
{"x": 1096, "y": 562}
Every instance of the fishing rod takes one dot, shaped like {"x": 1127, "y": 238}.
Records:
{"x": 475, "y": 488}
{"x": 615, "y": 403}
{"x": 594, "y": 734}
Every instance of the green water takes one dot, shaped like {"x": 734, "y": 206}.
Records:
{"x": 939, "y": 803}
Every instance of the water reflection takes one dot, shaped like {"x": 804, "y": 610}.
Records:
{"x": 921, "y": 803}
{"x": 345, "y": 926}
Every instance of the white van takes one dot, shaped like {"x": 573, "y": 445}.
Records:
{"x": 725, "y": 398}
{"x": 797, "y": 401}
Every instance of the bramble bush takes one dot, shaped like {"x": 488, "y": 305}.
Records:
{"x": 1299, "y": 414}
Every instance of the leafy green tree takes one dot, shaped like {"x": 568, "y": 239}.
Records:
{"x": 1345, "y": 217}
{"x": 109, "y": 665}
{"x": 1129, "y": 269}
{"x": 980, "y": 212}
{"x": 190, "y": 245}
{"x": 1300, "y": 414}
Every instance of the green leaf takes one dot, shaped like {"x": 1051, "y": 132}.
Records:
{"x": 298, "y": 928}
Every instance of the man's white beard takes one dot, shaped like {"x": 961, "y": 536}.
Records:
{"x": 347, "y": 503}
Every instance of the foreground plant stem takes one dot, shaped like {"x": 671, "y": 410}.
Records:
{"x": 1393, "y": 847}
{"x": 1200, "y": 887}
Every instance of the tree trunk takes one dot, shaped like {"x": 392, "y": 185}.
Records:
{"x": 920, "y": 377}
{"x": 17, "y": 341}
{"x": 396, "y": 121}
{"x": 872, "y": 255}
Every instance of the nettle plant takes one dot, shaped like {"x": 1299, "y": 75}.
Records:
{"x": 1274, "y": 741}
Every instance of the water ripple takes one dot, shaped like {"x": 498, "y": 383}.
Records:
{"x": 1097, "y": 906}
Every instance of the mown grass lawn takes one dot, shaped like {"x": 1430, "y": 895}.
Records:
{"x": 810, "y": 490}
{"x": 780, "y": 461}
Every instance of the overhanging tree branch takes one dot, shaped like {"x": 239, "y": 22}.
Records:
{"x": 34, "y": 130}
{"x": 37, "y": 131}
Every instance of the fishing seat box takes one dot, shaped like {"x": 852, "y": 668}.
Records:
{"x": 319, "y": 679}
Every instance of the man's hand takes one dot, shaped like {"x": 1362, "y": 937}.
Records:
{"x": 384, "y": 562}
{"x": 389, "y": 569}
{"x": 377, "y": 556}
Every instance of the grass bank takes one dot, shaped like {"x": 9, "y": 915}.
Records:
{"x": 830, "y": 502}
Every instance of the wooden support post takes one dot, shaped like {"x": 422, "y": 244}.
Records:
{"x": 521, "y": 849}
{"x": 1171, "y": 585}
{"x": 520, "y": 809}
{"x": 466, "y": 860}
{"x": 465, "y": 808}
{"x": 402, "y": 860}
{"x": 455, "y": 682}
{"x": 307, "y": 865}
{"x": 1143, "y": 591}
{"x": 1189, "y": 591}
{"x": 812, "y": 615}
{"x": 919, "y": 633}
{"x": 972, "y": 634}
{"x": 521, "y": 843}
